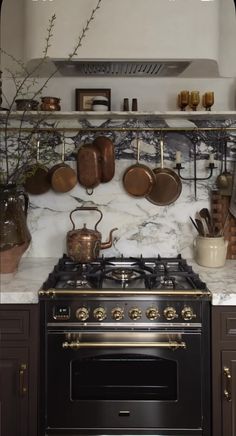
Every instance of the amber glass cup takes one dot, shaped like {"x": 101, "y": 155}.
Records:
{"x": 208, "y": 100}
{"x": 183, "y": 100}
{"x": 194, "y": 100}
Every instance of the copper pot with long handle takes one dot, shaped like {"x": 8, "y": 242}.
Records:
{"x": 84, "y": 245}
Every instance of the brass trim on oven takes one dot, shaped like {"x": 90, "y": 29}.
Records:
{"x": 65, "y": 292}
{"x": 75, "y": 345}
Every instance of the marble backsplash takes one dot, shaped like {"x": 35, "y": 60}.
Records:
{"x": 143, "y": 228}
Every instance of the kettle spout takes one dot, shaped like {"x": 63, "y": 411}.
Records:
{"x": 108, "y": 244}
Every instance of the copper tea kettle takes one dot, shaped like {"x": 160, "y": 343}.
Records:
{"x": 84, "y": 245}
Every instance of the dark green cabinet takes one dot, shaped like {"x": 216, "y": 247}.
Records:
{"x": 224, "y": 370}
{"x": 18, "y": 369}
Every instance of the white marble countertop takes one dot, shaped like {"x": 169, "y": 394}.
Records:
{"x": 23, "y": 286}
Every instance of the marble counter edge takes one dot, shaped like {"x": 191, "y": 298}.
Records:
{"x": 23, "y": 286}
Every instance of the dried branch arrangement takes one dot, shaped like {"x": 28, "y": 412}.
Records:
{"x": 18, "y": 151}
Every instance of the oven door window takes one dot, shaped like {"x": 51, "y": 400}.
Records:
{"x": 124, "y": 377}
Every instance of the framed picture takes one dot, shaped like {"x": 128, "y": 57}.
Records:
{"x": 84, "y": 98}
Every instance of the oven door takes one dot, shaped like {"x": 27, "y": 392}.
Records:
{"x": 123, "y": 380}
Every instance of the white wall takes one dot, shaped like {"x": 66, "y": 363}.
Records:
{"x": 152, "y": 93}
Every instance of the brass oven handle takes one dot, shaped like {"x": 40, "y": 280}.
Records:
{"x": 75, "y": 345}
{"x": 22, "y": 387}
{"x": 227, "y": 388}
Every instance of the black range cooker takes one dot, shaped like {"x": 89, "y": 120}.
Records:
{"x": 125, "y": 348}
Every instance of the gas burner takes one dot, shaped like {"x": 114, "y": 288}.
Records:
{"x": 123, "y": 274}
{"x": 161, "y": 273}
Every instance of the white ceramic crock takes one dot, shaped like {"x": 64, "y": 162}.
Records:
{"x": 210, "y": 252}
{"x": 100, "y": 103}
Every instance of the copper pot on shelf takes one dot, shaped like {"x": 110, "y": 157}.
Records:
{"x": 50, "y": 104}
{"x": 84, "y": 245}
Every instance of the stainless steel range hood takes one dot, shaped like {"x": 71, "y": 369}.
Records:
{"x": 131, "y": 38}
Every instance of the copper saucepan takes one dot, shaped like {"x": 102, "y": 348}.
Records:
{"x": 36, "y": 176}
{"x": 138, "y": 179}
{"x": 167, "y": 187}
{"x": 89, "y": 169}
{"x": 61, "y": 176}
{"x": 107, "y": 150}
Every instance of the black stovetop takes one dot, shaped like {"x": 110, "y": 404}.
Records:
{"x": 124, "y": 273}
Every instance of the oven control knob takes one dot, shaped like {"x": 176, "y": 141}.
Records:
{"x": 117, "y": 313}
{"x": 135, "y": 313}
{"x": 82, "y": 313}
{"x": 152, "y": 313}
{"x": 187, "y": 313}
{"x": 170, "y": 313}
{"x": 99, "y": 313}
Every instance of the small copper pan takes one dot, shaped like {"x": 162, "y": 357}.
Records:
{"x": 36, "y": 176}
{"x": 138, "y": 179}
{"x": 61, "y": 176}
{"x": 167, "y": 187}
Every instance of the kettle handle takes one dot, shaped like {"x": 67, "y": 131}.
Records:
{"x": 86, "y": 208}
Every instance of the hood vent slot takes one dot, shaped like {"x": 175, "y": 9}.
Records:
{"x": 121, "y": 68}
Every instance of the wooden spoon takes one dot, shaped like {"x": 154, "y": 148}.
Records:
{"x": 205, "y": 214}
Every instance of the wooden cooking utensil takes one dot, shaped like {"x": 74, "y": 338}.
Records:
{"x": 205, "y": 214}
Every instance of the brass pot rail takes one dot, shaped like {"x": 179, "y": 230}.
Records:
{"x": 119, "y": 129}
{"x": 76, "y": 345}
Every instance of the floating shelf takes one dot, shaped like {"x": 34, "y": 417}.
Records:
{"x": 80, "y": 115}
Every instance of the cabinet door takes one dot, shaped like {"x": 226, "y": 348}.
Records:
{"x": 229, "y": 393}
{"x": 13, "y": 391}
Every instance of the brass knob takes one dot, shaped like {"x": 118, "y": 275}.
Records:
{"x": 170, "y": 313}
{"x": 152, "y": 313}
{"x": 187, "y": 313}
{"x": 82, "y": 313}
{"x": 135, "y": 313}
{"x": 117, "y": 313}
{"x": 99, "y": 313}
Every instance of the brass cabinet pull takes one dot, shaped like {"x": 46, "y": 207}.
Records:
{"x": 76, "y": 344}
{"x": 227, "y": 386}
{"x": 22, "y": 387}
